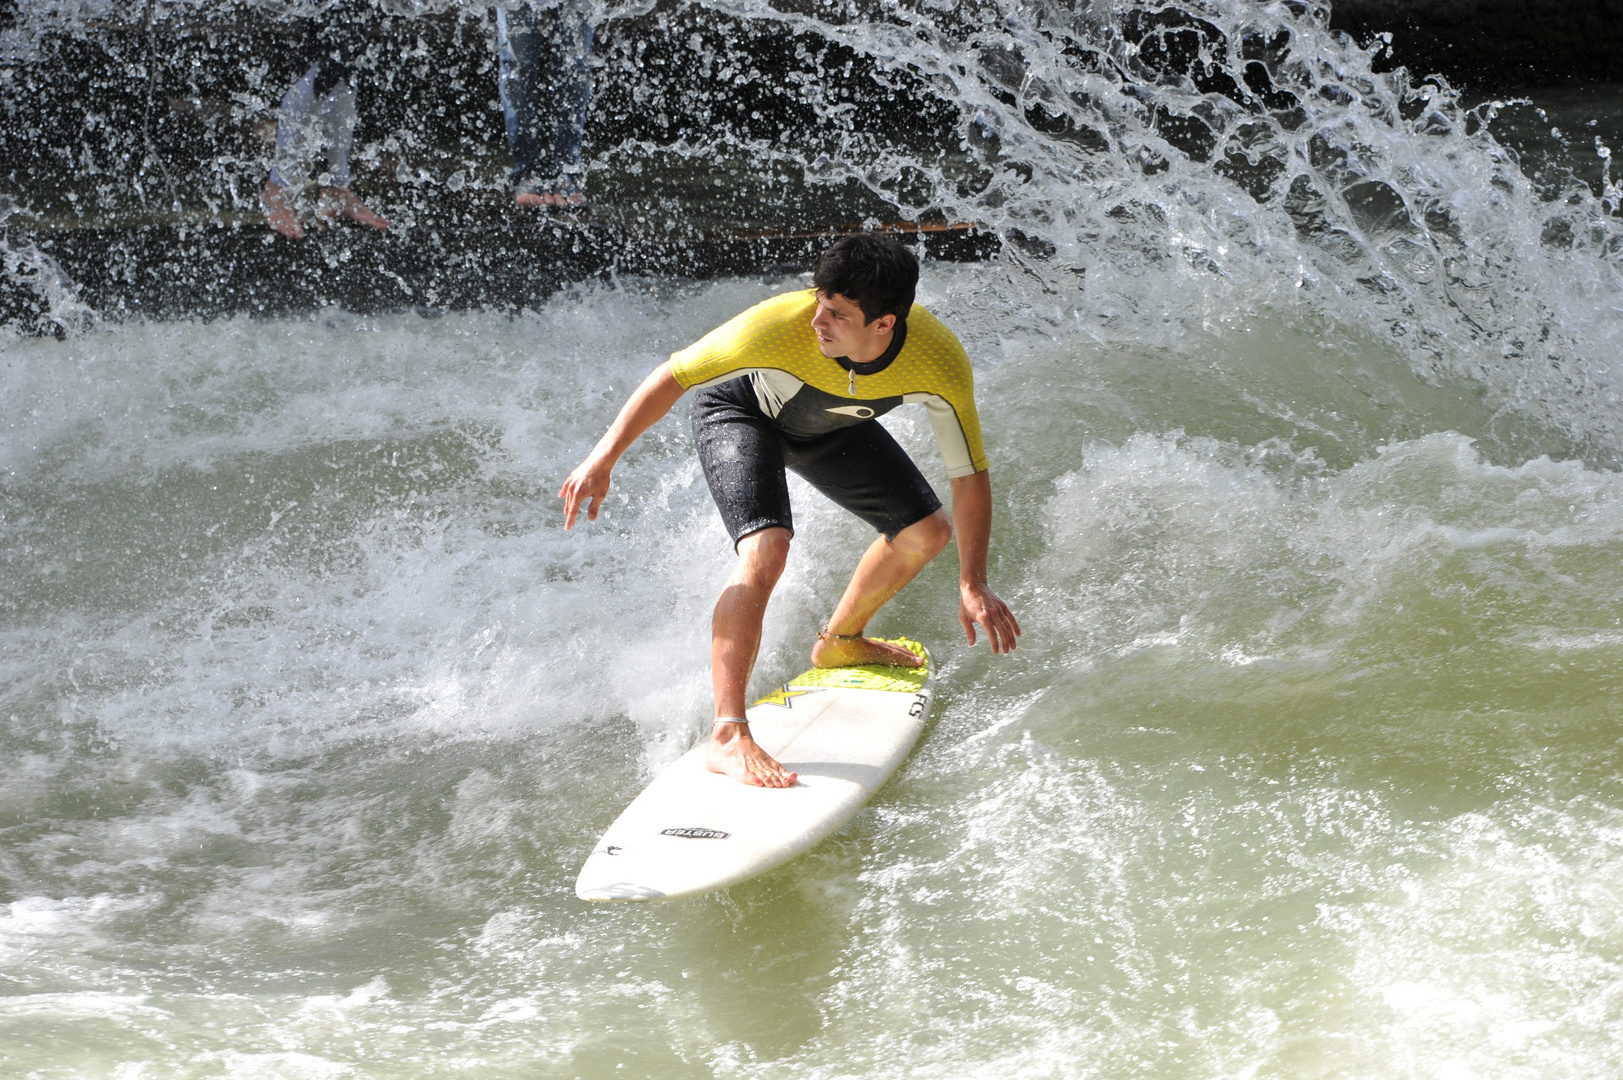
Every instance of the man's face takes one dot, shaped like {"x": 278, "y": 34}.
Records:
{"x": 842, "y": 330}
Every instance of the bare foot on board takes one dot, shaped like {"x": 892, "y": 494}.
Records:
{"x": 832, "y": 651}
{"x": 733, "y": 752}
{"x": 343, "y": 203}
{"x": 279, "y": 213}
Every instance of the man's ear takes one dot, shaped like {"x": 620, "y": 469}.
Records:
{"x": 884, "y": 324}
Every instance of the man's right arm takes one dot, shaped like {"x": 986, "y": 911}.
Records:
{"x": 590, "y": 480}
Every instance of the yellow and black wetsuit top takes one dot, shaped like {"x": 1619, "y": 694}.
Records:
{"x": 807, "y": 394}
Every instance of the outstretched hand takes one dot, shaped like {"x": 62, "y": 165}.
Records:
{"x": 590, "y": 480}
{"x": 979, "y": 604}
{"x": 587, "y": 484}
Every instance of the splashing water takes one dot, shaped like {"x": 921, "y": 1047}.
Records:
{"x": 1298, "y": 395}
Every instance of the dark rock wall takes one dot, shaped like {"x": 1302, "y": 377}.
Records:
{"x": 132, "y": 149}
{"x": 1494, "y": 46}
{"x": 132, "y": 153}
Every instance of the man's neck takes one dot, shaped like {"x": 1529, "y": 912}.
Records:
{"x": 893, "y": 347}
{"x": 876, "y": 349}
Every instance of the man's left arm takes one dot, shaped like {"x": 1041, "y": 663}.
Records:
{"x": 977, "y": 603}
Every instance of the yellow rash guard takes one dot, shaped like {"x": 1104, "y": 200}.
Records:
{"x": 807, "y": 394}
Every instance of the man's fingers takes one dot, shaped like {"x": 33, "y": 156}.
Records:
{"x": 1008, "y": 629}
{"x": 998, "y": 622}
{"x": 581, "y": 488}
{"x": 571, "y": 502}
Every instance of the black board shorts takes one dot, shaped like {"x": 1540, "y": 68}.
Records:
{"x": 860, "y": 467}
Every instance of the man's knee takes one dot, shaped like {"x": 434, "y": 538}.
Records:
{"x": 928, "y": 535}
{"x": 763, "y": 555}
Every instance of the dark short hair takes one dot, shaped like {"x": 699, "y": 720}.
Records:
{"x": 875, "y": 272}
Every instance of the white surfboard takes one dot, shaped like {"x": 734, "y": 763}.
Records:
{"x": 844, "y": 730}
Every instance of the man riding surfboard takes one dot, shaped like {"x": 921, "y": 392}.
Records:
{"x": 798, "y": 382}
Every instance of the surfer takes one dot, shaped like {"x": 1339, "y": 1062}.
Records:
{"x": 798, "y": 382}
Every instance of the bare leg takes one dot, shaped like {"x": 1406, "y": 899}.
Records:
{"x": 735, "y": 638}
{"x": 885, "y": 568}
{"x": 296, "y": 138}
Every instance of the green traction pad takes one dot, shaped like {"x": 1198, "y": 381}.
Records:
{"x": 900, "y": 680}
